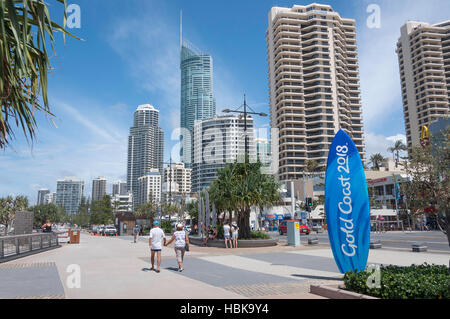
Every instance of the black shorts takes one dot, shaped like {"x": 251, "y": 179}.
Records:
{"x": 156, "y": 250}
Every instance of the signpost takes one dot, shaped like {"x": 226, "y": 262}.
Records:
{"x": 347, "y": 205}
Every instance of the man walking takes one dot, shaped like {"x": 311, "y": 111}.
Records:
{"x": 156, "y": 237}
{"x": 136, "y": 230}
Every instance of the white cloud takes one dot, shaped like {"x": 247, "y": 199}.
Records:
{"x": 377, "y": 143}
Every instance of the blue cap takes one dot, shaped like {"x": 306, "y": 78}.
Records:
{"x": 156, "y": 222}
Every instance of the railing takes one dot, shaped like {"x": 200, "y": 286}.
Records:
{"x": 12, "y": 246}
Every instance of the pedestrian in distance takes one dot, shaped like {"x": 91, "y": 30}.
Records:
{"x": 234, "y": 234}
{"x": 47, "y": 227}
{"x": 136, "y": 230}
{"x": 227, "y": 235}
{"x": 156, "y": 237}
{"x": 181, "y": 239}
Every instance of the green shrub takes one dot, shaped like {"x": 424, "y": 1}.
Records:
{"x": 220, "y": 231}
{"x": 397, "y": 282}
{"x": 258, "y": 235}
{"x": 166, "y": 226}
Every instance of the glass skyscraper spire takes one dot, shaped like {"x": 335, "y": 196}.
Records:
{"x": 197, "y": 101}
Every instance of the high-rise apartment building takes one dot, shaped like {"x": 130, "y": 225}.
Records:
{"x": 41, "y": 196}
{"x": 218, "y": 141}
{"x": 263, "y": 151}
{"x": 197, "y": 100}
{"x": 119, "y": 188}
{"x": 149, "y": 186}
{"x": 68, "y": 194}
{"x": 122, "y": 203}
{"x": 424, "y": 59}
{"x": 313, "y": 84}
{"x": 145, "y": 146}
{"x": 50, "y": 198}
{"x": 98, "y": 188}
{"x": 180, "y": 175}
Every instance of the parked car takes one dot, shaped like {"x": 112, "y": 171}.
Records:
{"x": 317, "y": 228}
{"x": 110, "y": 231}
{"x": 282, "y": 229}
{"x": 100, "y": 230}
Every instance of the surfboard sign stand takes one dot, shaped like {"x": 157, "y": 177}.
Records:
{"x": 347, "y": 205}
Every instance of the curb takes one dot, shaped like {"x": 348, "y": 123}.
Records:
{"x": 243, "y": 243}
{"x": 336, "y": 292}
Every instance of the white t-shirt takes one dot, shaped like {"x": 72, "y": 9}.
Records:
{"x": 226, "y": 230}
{"x": 156, "y": 234}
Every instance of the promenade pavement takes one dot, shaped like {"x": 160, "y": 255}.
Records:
{"x": 115, "y": 267}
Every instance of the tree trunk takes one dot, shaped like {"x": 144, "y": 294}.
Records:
{"x": 244, "y": 223}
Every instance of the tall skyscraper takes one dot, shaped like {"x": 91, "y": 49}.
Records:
{"x": 424, "y": 60}
{"x": 41, "y": 196}
{"x": 145, "y": 147}
{"x": 98, "y": 188}
{"x": 218, "y": 141}
{"x": 197, "y": 100}
{"x": 68, "y": 194}
{"x": 314, "y": 85}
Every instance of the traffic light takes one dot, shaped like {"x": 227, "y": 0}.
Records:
{"x": 308, "y": 204}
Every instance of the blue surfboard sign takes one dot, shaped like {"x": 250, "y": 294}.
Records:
{"x": 347, "y": 205}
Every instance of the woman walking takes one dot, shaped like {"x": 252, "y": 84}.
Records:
{"x": 234, "y": 234}
{"x": 181, "y": 243}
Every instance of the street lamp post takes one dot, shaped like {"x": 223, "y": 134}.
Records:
{"x": 170, "y": 178}
{"x": 245, "y": 113}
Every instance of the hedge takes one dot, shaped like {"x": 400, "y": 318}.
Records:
{"x": 397, "y": 282}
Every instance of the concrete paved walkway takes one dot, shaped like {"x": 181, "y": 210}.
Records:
{"x": 117, "y": 268}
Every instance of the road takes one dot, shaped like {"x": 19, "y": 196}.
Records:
{"x": 396, "y": 240}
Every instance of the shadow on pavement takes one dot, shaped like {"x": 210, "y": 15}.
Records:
{"x": 317, "y": 277}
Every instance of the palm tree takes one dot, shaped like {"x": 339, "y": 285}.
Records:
{"x": 311, "y": 165}
{"x": 376, "y": 160}
{"x": 25, "y": 26}
{"x": 238, "y": 187}
{"x": 147, "y": 211}
{"x": 396, "y": 149}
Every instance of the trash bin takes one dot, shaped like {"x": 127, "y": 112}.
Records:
{"x": 74, "y": 235}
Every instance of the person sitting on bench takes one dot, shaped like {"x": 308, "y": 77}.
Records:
{"x": 212, "y": 234}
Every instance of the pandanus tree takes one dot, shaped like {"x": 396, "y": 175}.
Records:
{"x": 8, "y": 208}
{"x": 25, "y": 30}
{"x": 241, "y": 186}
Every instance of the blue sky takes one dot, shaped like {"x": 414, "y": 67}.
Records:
{"x": 130, "y": 56}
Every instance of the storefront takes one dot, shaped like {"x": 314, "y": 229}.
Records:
{"x": 272, "y": 221}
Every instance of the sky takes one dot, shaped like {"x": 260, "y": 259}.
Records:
{"x": 129, "y": 56}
